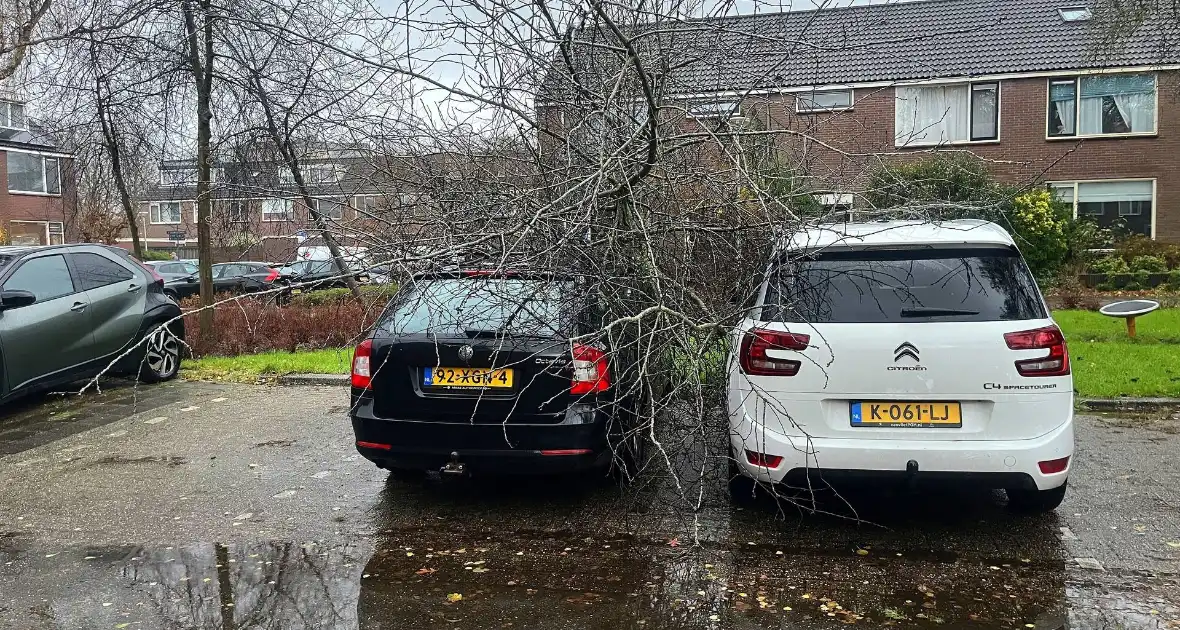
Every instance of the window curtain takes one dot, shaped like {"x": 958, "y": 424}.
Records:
{"x": 1133, "y": 95}
{"x": 1114, "y": 191}
{"x": 1062, "y": 96}
{"x": 932, "y": 115}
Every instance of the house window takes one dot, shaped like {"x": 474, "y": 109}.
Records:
{"x": 278, "y": 210}
{"x": 12, "y": 115}
{"x": 701, "y": 111}
{"x": 1122, "y": 204}
{"x": 165, "y": 212}
{"x": 366, "y": 205}
{"x": 1101, "y": 105}
{"x": 823, "y": 101}
{"x": 31, "y": 173}
{"x": 178, "y": 176}
{"x": 946, "y": 114}
{"x": 329, "y": 208}
{"x": 239, "y": 212}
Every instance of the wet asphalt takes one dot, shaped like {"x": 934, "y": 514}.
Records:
{"x": 193, "y": 505}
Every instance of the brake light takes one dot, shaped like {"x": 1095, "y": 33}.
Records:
{"x": 274, "y": 274}
{"x": 758, "y": 344}
{"x": 362, "y": 376}
{"x": 590, "y": 370}
{"x": 1056, "y": 363}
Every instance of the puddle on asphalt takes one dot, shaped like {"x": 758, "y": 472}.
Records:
{"x": 431, "y": 579}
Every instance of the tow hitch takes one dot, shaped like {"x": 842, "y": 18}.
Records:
{"x": 454, "y": 468}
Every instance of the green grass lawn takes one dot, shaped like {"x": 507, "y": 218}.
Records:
{"x": 249, "y": 368}
{"x": 1106, "y": 364}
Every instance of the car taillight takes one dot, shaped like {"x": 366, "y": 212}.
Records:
{"x": 1056, "y": 363}
{"x": 757, "y": 345}
{"x": 590, "y": 370}
{"x": 274, "y": 274}
{"x": 362, "y": 376}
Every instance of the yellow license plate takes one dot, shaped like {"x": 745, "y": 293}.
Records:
{"x": 296, "y": 291}
{"x": 466, "y": 377}
{"x": 875, "y": 413}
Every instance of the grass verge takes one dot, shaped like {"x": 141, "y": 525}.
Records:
{"x": 249, "y": 368}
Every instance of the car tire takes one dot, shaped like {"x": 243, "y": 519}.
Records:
{"x": 1033, "y": 501}
{"x": 743, "y": 491}
{"x": 172, "y": 294}
{"x": 628, "y": 445}
{"x": 161, "y": 360}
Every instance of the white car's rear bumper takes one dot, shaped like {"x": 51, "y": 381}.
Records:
{"x": 1003, "y": 460}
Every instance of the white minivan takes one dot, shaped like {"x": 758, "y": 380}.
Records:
{"x": 910, "y": 350}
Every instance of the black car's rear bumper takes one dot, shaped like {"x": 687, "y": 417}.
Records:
{"x": 482, "y": 448}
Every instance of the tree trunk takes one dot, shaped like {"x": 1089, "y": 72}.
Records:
{"x": 291, "y": 158}
{"x": 110, "y": 137}
{"x": 200, "y": 53}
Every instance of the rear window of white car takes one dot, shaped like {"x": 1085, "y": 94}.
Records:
{"x": 902, "y": 285}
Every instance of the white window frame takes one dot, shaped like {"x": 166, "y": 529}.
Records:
{"x": 6, "y": 108}
{"x": 970, "y": 112}
{"x": 44, "y": 173}
{"x": 1077, "y": 105}
{"x": 332, "y": 203}
{"x": 155, "y": 218}
{"x": 359, "y": 201}
{"x": 707, "y": 110}
{"x": 49, "y": 229}
{"x": 1074, "y": 185}
{"x": 802, "y": 97}
{"x": 287, "y": 215}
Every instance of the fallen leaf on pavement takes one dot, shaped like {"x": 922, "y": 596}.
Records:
{"x": 425, "y": 571}
{"x": 1173, "y": 544}
{"x": 673, "y": 542}
{"x": 479, "y": 570}
{"x": 454, "y": 597}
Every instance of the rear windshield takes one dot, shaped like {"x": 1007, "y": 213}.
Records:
{"x": 483, "y": 306}
{"x": 972, "y": 285}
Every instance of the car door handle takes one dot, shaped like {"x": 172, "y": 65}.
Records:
{"x": 78, "y": 307}
{"x": 133, "y": 288}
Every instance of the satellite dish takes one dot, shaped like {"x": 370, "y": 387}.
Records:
{"x": 1129, "y": 310}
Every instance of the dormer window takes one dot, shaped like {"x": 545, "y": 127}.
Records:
{"x": 12, "y": 116}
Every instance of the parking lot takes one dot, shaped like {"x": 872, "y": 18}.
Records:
{"x": 236, "y": 506}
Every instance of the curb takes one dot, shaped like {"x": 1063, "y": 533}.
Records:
{"x": 1129, "y": 404}
{"x": 314, "y": 379}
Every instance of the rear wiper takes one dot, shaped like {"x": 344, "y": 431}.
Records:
{"x": 482, "y": 333}
{"x": 931, "y": 311}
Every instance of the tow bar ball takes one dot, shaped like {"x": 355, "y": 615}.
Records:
{"x": 1129, "y": 310}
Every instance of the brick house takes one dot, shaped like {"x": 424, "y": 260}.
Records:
{"x": 36, "y": 185}
{"x": 368, "y": 200}
{"x": 257, "y": 212}
{"x": 1026, "y": 84}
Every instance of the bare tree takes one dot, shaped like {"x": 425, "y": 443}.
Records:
{"x": 18, "y": 23}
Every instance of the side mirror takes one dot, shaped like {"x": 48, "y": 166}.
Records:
{"x": 191, "y": 279}
{"x": 16, "y": 298}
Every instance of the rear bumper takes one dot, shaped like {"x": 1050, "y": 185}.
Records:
{"x": 482, "y": 448}
{"x": 999, "y": 464}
